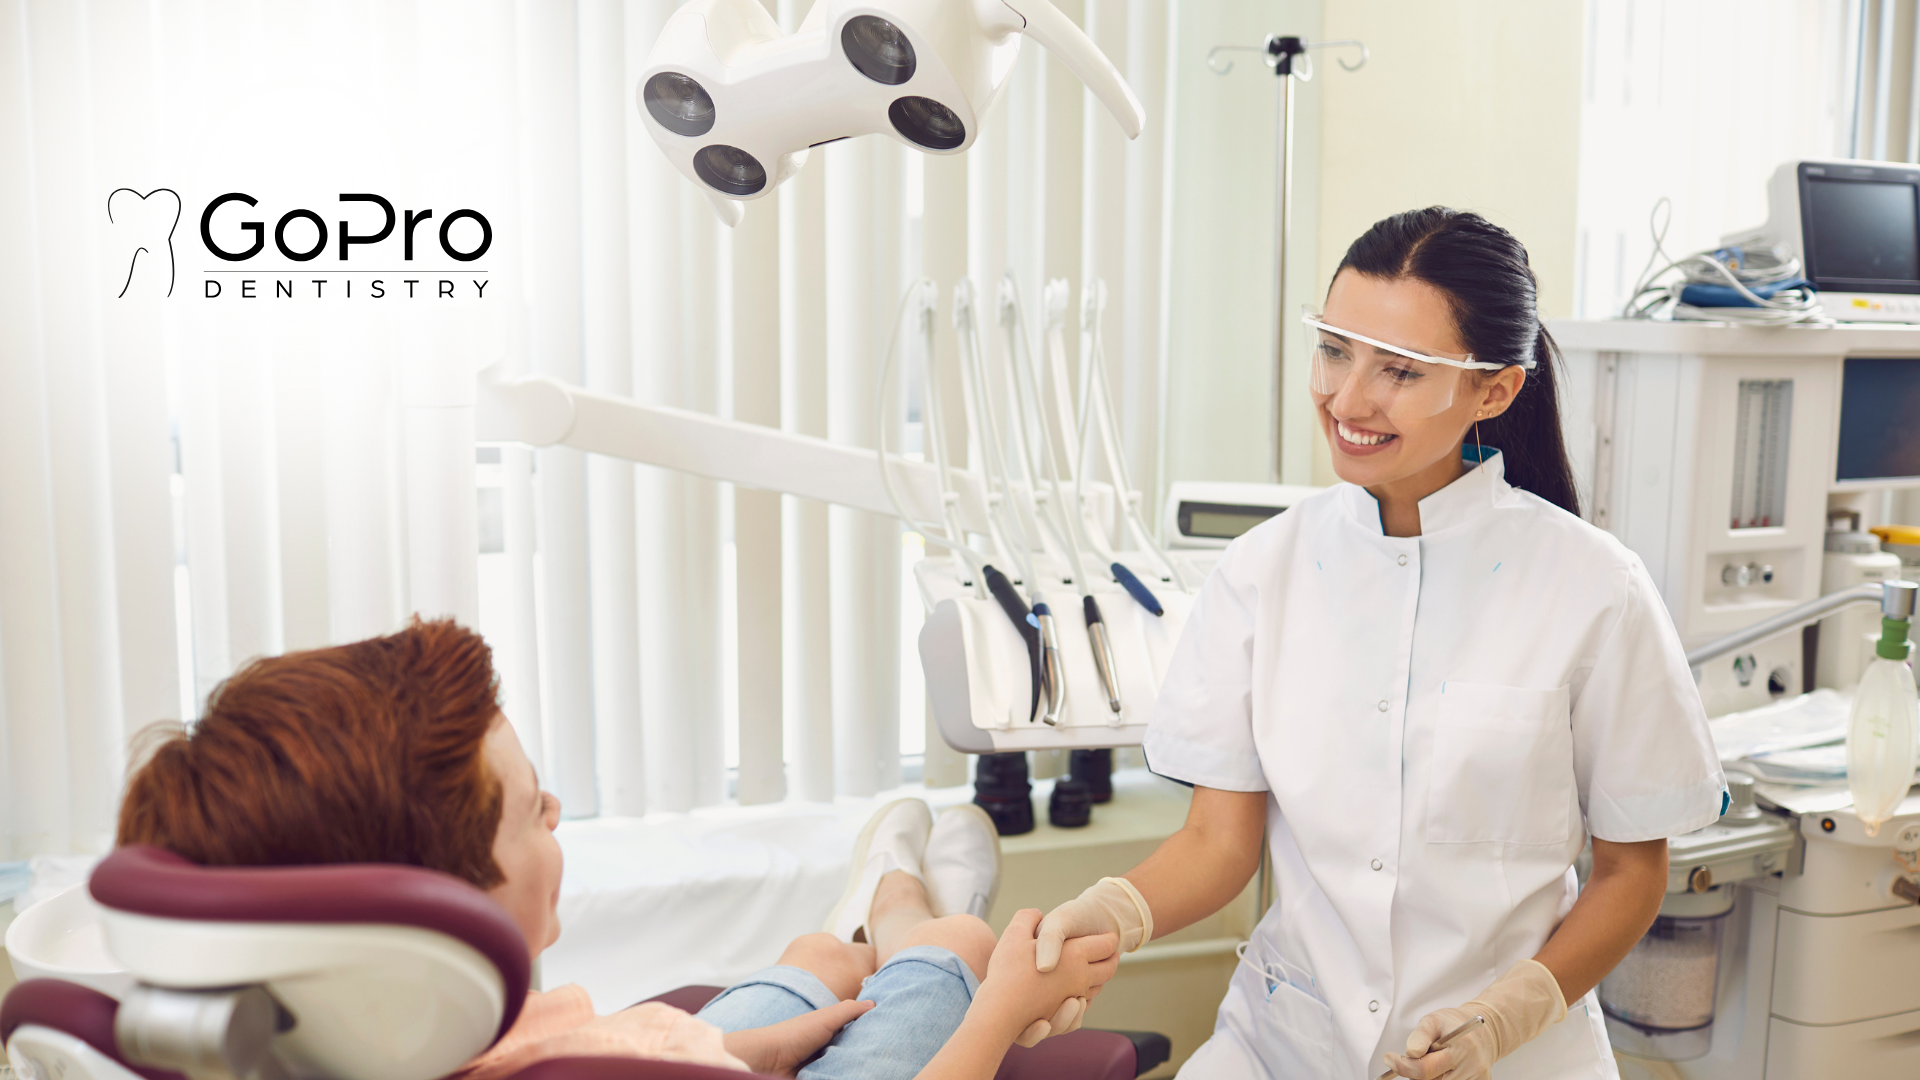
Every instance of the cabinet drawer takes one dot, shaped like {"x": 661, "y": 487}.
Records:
{"x": 1835, "y": 969}
{"x": 1889, "y": 1046}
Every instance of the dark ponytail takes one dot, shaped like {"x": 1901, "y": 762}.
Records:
{"x": 1484, "y": 274}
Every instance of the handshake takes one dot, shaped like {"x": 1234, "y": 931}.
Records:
{"x": 1111, "y": 907}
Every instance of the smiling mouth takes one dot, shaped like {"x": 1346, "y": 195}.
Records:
{"x": 1358, "y": 437}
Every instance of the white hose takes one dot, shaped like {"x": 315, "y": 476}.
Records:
{"x": 1006, "y": 510}
{"x": 1097, "y": 411}
{"x": 947, "y": 496}
{"x": 1028, "y": 392}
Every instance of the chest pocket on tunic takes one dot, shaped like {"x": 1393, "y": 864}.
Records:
{"x": 1502, "y": 766}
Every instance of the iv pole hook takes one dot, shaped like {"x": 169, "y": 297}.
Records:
{"x": 1290, "y": 58}
{"x": 1275, "y": 47}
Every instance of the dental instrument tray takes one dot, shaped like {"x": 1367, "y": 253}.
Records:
{"x": 977, "y": 668}
{"x": 1051, "y": 621}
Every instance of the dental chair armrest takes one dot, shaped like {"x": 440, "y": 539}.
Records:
{"x": 1086, "y": 1054}
{"x": 80, "y": 1011}
{"x": 688, "y": 999}
{"x": 1150, "y": 1049}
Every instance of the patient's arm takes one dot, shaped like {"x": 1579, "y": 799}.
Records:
{"x": 1014, "y": 995}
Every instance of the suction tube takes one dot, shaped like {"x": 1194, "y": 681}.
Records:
{"x": 1019, "y": 613}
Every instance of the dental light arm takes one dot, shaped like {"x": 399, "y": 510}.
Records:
{"x": 539, "y": 411}
{"x": 1063, "y": 38}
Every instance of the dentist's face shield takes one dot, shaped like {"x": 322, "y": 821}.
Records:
{"x": 1398, "y": 381}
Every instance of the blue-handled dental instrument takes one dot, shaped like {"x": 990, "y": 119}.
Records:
{"x": 1139, "y": 590}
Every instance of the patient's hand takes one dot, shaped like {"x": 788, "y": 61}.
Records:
{"x": 780, "y": 1049}
{"x": 1018, "y": 993}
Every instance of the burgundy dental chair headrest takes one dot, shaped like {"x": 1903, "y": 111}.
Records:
{"x": 155, "y": 882}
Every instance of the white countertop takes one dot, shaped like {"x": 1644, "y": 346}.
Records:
{"x": 1649, "y": 335}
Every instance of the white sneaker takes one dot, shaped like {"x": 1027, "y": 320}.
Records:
{"x": 963, "y": 862}
{"x": 895, "y": 838}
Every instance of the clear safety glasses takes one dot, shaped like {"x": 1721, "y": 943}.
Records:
{"x": 1400, "y": 383}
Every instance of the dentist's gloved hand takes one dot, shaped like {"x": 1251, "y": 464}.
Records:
{"x": 1518, "y": 1007}
{"x": 1110, "y": 906}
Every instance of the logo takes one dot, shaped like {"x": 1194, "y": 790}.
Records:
{"x": 144, "y": 225}
{"x": 320, "y": 270}
{"x": 251, "y": 252}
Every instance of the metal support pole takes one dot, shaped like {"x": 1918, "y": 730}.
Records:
{"x": 1289, "y": 59}
{"x": 1281, "y": 52}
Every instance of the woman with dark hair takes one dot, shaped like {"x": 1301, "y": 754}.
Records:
{"x": 1427, "y": 688}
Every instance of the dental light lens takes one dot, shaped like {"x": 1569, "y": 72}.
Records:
{"x": 927, "y": 122}
{"x": 878, "y": 48}
{"x": 729, "y": 170}
{"x": 678, "y": 103}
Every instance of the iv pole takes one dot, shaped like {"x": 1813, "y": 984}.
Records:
{"x": 1290, "y": 60}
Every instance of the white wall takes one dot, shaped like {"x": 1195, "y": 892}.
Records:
{"x": 1218, "y": 423}
{"x": 1656, "y": 121}
{"x": 1475, "y": 105}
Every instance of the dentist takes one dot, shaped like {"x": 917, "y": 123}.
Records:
{"x": 1427, "y": 687}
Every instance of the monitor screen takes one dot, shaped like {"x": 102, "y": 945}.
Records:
{"x": 1861, "y": 232}
{"x": 1218, "y": 521}
{"x": 1879, "y": 419}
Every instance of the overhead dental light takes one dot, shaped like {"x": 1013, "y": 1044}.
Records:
{"x": 736, "y": 105}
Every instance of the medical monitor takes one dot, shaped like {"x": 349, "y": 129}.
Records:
{"x": 1855, "y": 225}
{"x": 1210, "y": 514}
{"x": 1879, "y": 443}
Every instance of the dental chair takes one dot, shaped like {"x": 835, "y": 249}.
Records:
{"x": 345, "y": 972}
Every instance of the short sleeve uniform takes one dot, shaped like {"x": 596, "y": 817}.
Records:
{"x": 1440, "y": 722}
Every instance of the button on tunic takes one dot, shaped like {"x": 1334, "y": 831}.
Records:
{"x": 1472, "y": 719}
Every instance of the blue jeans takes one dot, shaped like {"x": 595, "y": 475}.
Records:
{"x": 922, "y": 994}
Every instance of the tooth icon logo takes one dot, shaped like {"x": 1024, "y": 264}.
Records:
{"x": 143, "y": 228}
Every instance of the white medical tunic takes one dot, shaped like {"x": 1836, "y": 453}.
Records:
{"x": 1439, "y": 721}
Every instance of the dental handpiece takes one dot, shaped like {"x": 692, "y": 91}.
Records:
{"x": 1102, "y": 651}
{"x": 1442, "y": 1041}
{"x": 1056, "y": 673}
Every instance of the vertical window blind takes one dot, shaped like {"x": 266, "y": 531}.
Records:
{"x": 188, "y": 482}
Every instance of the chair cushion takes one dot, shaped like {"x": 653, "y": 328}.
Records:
{"x": 1087, "y": 1054}
{"x": 614, "y": 1068}
{"x": 82, "y": 1012}
{"x": 689, "y": 999}
{"x": 155, "y": 882}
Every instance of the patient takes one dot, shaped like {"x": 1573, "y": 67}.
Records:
{"x": 395, "y": 750}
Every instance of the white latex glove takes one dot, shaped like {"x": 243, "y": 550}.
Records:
{"x": 1109, "y": 906}
{"x": 1518, "y": 1007}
